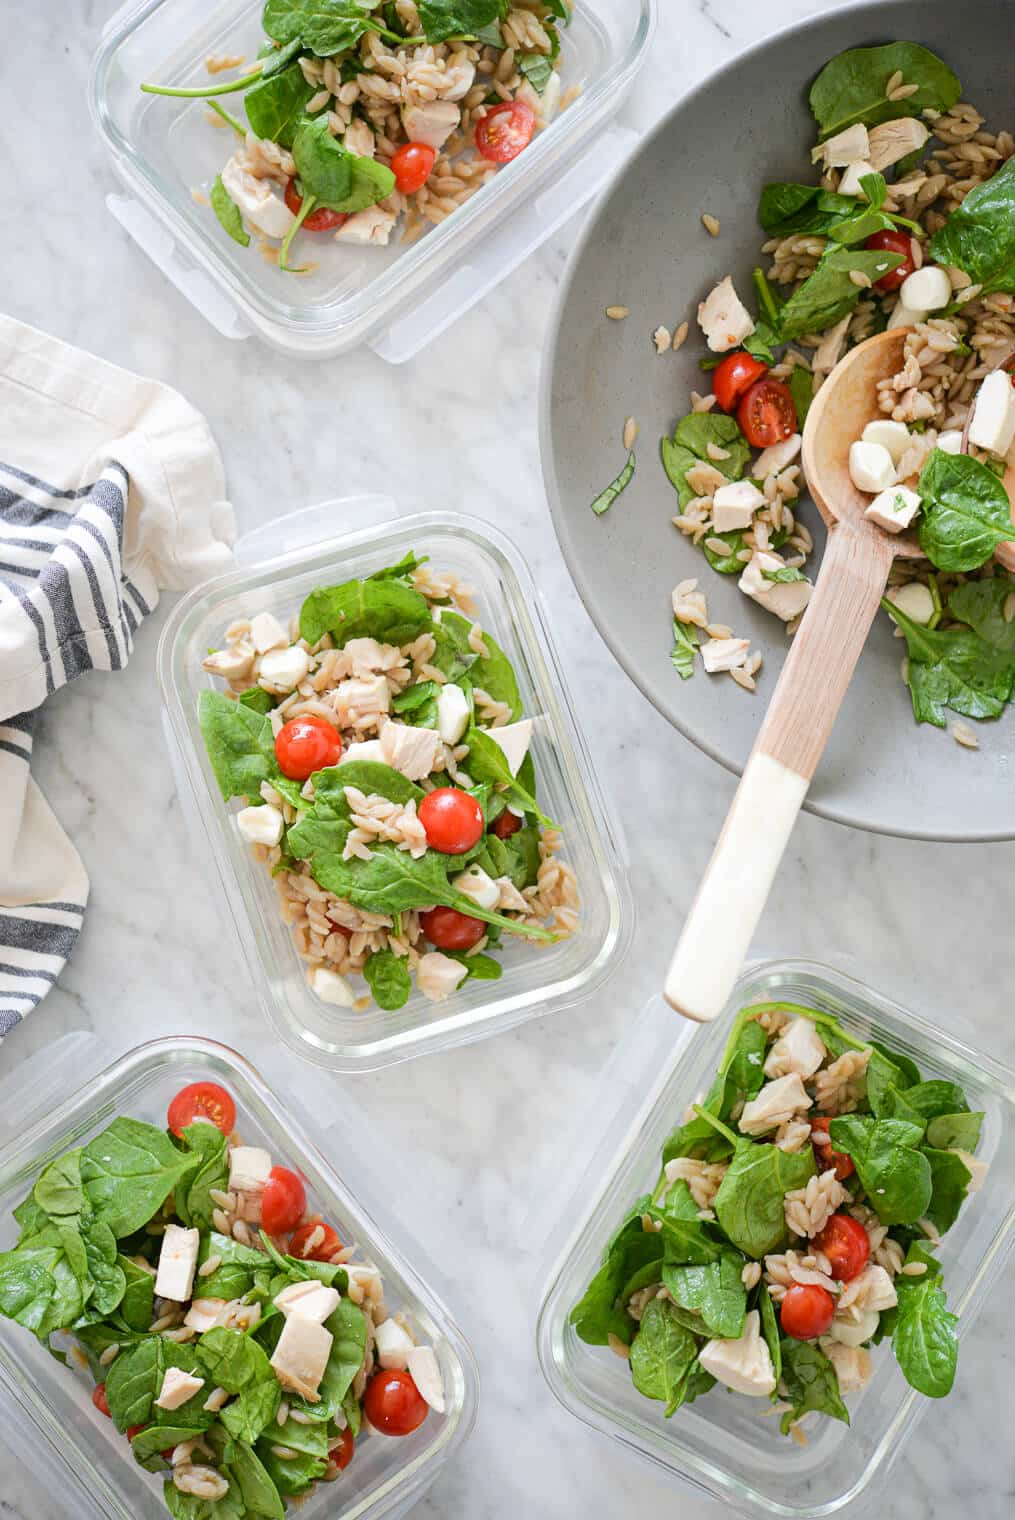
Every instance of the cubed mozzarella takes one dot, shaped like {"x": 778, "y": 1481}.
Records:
{"x": 431, "y": 123}
{"x": 310, "y": 1300}
{"x": 204, "y": 1314}
{"x": 871, "y": 467}
{"x": 855, "y": 172}
{"x": 249, "y": 1168}
{"x": 950, "y": 441}
{"x": 734, "y": 506}
{"x": 392, "y": 1344}
{"x": 266, "y": 632}
{"x": 371, "y": 227}
{"x": 425, "y": 1372}
{"x": 926, "y": 289}
{"x": 851, "y": 1332}
{"x": 452, "y": 713}
{"x": 776, "y": 1102}
{"x": 914, "y": 601}
{"x": 475, "y": 883}
{"x": 903, "y": 316}
{"x": 893, "y": 436}
{"x": 724, "y": 654}
{"x": 177, "y": 1263}
{"x": 894, "y": 509}
{"x": 260, "y": 825}
{"x": 413, "y": 751}
{"x": 776, "y": 457}
{"x": 255, "y": 199}
{"x": 849, "y": 146}
{"x": 331, "y": 987}
{"x": 976, "y": 1168}
{"x": 514, "y": 740}
{"x": 301, "y": 1355}
{"x": 364, "y": 749}
{"x": 284, "y": 669}
{"x": 993, "y": 423}
{"x": 723, "y": 318}
{"x": 744, "y": 1364}
{"x": 177, "y": 1387}
{"x": 799, "y": 1049}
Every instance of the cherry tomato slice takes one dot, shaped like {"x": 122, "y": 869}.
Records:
{"x": 505, "y": 130}
{"x": 806, "y": 1312}
{"x": 305, "y": 745}
{"x": 844, "y": 1241}
{"x": 733, "y": 375}
{"x": 342, "y": 1455}
{"x": 393, "y": 1404}
{"x": 99, "y": 1400}
{"x": 322, "y": 1250}
{"x": 766, "y": 413}
{"x": 452, "y": 819}
{"x": 320, "y": 220}
{"x": 506, "y": 824}
{"x": 412, "y": 166}
{"x": 133, "y": 1430}
{"x": 202, "y": 1100}
{"x": 893, "y": 242}
{"x": 450, "y": 930}
{"x": 283, "y": 1201}
{"x": 840, "y": 1163}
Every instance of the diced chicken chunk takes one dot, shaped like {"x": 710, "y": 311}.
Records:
{"x": 301, "y": 1356}
{"x": 514, "y": 740}
{"x": 372, "y": 226}
{"x": 993, "y": 423}
{"x": 893, "y": 140}
{"x": 177, "y": 1387}
{"x": 177, "y": 1263}
{"x": 431, "y": 123}
{"x": 260, "y": 825}
{"x": 853, "y": 1365}
{"x": 829, "y": 350}
{"x": 745, "y": 1364}
{"x": 902, "y": 316}
{"x": 724, "y": 654}
{"x": 438, "y": 976}
{"x": 284, "y": 669}
{"x": 734, "y": 506}
{"x": 425, "y": 1372}
{"x": 311, "y": 1300}
{"x": 204, "y": 1314}
{"x": 776, "y": 1102}
{"x": 232, "y": 664}
{"x": 874, "y": 1289}
{"x": 266, "y": 632}
{"x": 413, "y": 751}
{"x": 458, "y": 80}
{"x": 847, "y": 147}
{"x": 257, "y": 202}
{"x": 926, "y": 289}
{"x": 249, "y": 1168}
{"x": 776, "y": 457}
{"x": 799, "y": 1049}
{"x": 723, "y": 318}
{"x": 392, "y": 1343}
{"x": 367, "y": 696}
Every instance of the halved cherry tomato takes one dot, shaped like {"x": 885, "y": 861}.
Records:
{"x": 320, "y": 220}
{"x": 506, "y": 824}
{"x": 505, "y": 130}
{"x": 452, "y": 819}
{"x": 99, "y": 1400}
{"x": 134, "y": 1430}
{"x": 450, "y": 930}
{"x": 844, "y": 1241}
{"x": 393, "y": 1404}
{"x": 202, "y": 1100}
{"x": 891, "y": 241}
{"x": 806, "y": 1312}
{"x": 412, "y": 165}
{"x": 324, "y": 1250}
{"x": 342, "y": 1455}
{"x": 766, "y": 413}
{"x": 307, "y": 744}
{"x": 283, "y": 1201}
{"x": 840, "y": 1163}
{"x": 733, "y": 375}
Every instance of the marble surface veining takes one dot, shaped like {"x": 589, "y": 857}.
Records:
{"x": 482, "y": 1125}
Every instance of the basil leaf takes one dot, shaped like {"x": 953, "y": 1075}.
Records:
{"x": 228, "y": 213}
{"x": 852, "y": 86}
{"x": 811, "y": 1383}
{"x": 387, "y": 611}
{"x": 954, "y": 669}
{"x": 387, "y": 976}
{"x": 604, "y": 501}
{"x": 749, "y": 1203}
{"x": 979, "y": 235}
{"x": 536, "y": 68}
{"x": 895, "y": 1176}
{"x": 966, "y": 511}
{"x": 685, "y": 641}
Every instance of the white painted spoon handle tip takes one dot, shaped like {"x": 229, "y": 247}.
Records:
{"x": 732, "y": 896}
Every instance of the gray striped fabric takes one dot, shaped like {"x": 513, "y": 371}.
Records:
{"x": 65, "y": 606}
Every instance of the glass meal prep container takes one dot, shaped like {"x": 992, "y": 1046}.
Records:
{"x": 49, "y": 1416}
{"x": 536, "y": 979}
{"x": 719, "y": 1445}
{"x": 397, "y": 298}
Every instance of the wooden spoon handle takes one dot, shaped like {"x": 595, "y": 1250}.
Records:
{"x": 804, "y": 705}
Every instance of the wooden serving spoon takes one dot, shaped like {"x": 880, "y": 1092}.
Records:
{"x": 1004, "y": 553}
{"x": 852, "y": 580}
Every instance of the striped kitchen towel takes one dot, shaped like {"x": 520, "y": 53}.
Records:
{"x": 110, "y": 487}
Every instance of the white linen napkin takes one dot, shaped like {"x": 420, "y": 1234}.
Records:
{"x": 111, "y": 487}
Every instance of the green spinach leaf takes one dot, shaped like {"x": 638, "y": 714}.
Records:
{"x": 662, "y": 1353}
{"x": 966, "y": 511}
{"x": 801, "y": 388}
{"x": 275, "y": 106}
{"x": 128, "y": 1172}
{"x": 950, "y": 1179}
{"x": 770, "y": 1331}
{"x": 715, "y": 1291}
{"x": 488, "y": 762}
{"x": 232, "y": 1360}
{"x": 959, "y": 1131}
{"x": 388, "y": 978}
{"x": 388, "y": 611}
{"x": 228, "y": 213}
{"x": 441, "y": 19}
{"x": 324, "y": 27}
{"x": 790, "y": 210}
{"x": 749, "y": 1203}
{"x": 810, "y": 1382}
{"x": 924, "y": 1338}
{"x": 193, "y": 1197}
{"x": 134, "y": 1380}
{"x": 895, "y": 1176}
{"x": 240, "y": 744}
{"x": 981, "y": 605}
{"x": 493, "y": 674}
{"x": 852, "y": 86}
{"x": 608, "y": 495}
{"x": 829, "y": 294}
{"x": 602, "y": 1312}
{"x": 338, "y": 179}
{"x": 956, "y": 669}
{"x": 979, "y": 235}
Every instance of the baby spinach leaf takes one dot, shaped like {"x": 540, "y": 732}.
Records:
{"x": 193, "y": 1197}
{"x": 493, "y": 674}
{"x": 256, "y": 698}
{"x": 956, "y": 669}
{"x": 418, "y": 704}
{"x": 248, "y": 1416}
{"x": 240, "y": 744}
{"x": 488, "y": 762}
{"x": 138, "y": 1296}
{"x": 134, "y": 1378}
{"x": 348, "y": 1328}
{"x": 247, "y": 1473}
{"x": 608, "y": 495}
{"x": 482, "y": 968}
{"x": 924, "y": 1339}
{"x": 108, "y": 1282}
{"x": 959, "y": 1131}
{"x": 966, "y": 511}
{"x": 369, "y": 777}
{"x": 324, "y": 27}
{"x": 232, "y": 1360}
{"x": 686, "y": 1240}
{"x": 895, "y": 1176}
{"x": 275, "y": 106}
{"x": 228, "y": 213}
{"x": 801, "y": 388}
{"x": 441, "y": 19}
{"x": 979, "y": 235}
{"x": 337, "y": 178}
{"x": 402, "y": 570}
{"x": 715, "y": 1291}
{"x": 749, "y": 1203}
{"x": 388, "y": 611}
{"x": 770, "y": 1331}
{"x": 852, "y": 86}
{"x": 929, "y": 1099}
{"x": 811, "y": 1383}
{"x": 981, "y": 605}
{"x": 829, "y": 294}
{"x": 128, "y": 1172}
{"x": 950, "y": 1178}
{"x": 387, "y": 976}
{"x": 728, "y": 562}
{"x": 697, "y": 1382}
{"x": 698, "y": 429}
{"x": 790, "y": 210}
{"x": 685, "y": 642}
{"x": 662, "y": 1353}
{"x": 292, "y": 1476}
{"x": 740, "y": 1077}
{"x": 240, "y": 1268}
{"x": 29, "y": 1289}
{"x": 600, "y": 1314}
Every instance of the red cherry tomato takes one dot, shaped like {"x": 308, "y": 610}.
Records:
{"x": 766, "y": 413}
{"x": 506, "y": 824}
{"x": 733, "y": 375}
{"x": 505, "y": 130}
{"x": 840, "y": 1163}
{"x": 133, "y": 1430}
{"x": 393, "y": 1404}
{"x": 324, "y": 1250}
{"x": 305, "y": 745}
{"x": 891, "y": 241}
{"x": 99, "y": 1400}
{"x": 450, "y": 930}
{"x": 342, "y": 1455}
{"x": 412, "y": 165}
{"x": 202, "y": 1100}
{"x": 283, "y": 1201}
{"x": 452, "y": 819}
{"x": 844, "y": 1241}
{"x": 317, "y": 221}
{"x": 806, "y": 1312}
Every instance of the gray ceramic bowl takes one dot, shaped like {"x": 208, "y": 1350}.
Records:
{"x": 645, "y": 248}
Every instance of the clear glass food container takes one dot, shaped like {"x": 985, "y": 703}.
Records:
{"x": 397, "y": 298}
{"x": 49, "y": 1417}
{"x": 307, "y": 550}
{"x": 719, "y": 1445}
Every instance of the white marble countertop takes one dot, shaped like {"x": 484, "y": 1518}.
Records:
{"x": 480, "y": 1127}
